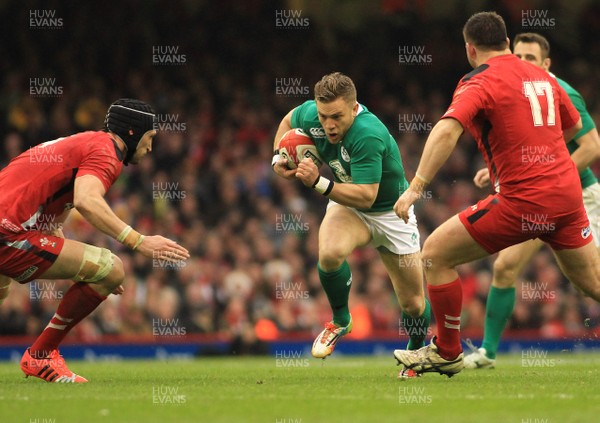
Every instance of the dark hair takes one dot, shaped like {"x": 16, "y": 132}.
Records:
{"x": 335, "y": 85}
{"x": 532, "y": 37}
{"x": 486, "y": 31}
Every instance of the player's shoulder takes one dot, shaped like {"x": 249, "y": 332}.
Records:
{"x": 367, "y": 126}
{"x": 494, "y": 68}
{"x": 91, "y": 137}
{"x": 96, "y": 143}
{"x": 308, "y": 107}
{"x": 477, "y": 72}
{"x": 367, "y": 121}
{"x": 306, "y": 117}
{"x": 304, "y": 112}
{"x": 566, "y": 86}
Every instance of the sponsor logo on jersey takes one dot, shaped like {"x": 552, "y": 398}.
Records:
{"x": 317, "y": 132}
{"x": 339, "y": 171}
{"x": 345, "y": 154}
{"x": 585, "y": 232}
{"x": 26, "y": 274}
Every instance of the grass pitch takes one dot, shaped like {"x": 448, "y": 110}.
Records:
{"x": 558, "y": 388}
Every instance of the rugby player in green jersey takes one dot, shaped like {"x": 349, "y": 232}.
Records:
{"x": 584, "y": 149}
{"x": 369, "y": 178}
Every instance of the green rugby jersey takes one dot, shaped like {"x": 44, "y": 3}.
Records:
{"x": 368, "y": 154}
{"x": 587, "y": 176}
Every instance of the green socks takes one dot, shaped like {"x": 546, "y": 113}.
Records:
{"x": 337, "y": 287}
{"x": 499, "y": 307}
{"x": 416, "y": 328}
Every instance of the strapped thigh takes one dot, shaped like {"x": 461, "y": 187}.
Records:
{"x": 96, "y": 264}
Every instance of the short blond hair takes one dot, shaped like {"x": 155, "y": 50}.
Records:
{"x": 333, "y": 86}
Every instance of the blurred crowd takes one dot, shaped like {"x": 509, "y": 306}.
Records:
{"x": 208, "y": 183}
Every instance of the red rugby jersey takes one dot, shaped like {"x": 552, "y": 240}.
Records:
{"x": 37, "y": 186}
{"x": 516, "y": 112}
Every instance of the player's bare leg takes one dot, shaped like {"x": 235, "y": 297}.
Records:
{"x": 582, "y": 267}
{"x": 70, "y": 264}
{"x": 340, "y": 233}
{"x": 97, "y": 273}
{"x": 406, "y": 274}
{"x": 501, "y": 301}
{"x": 448, "y": 246}
{"x": 512, "y": 260}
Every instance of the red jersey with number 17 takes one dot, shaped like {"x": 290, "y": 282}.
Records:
{"x": 37, "y": 186}
{"x": 516, "y": 112}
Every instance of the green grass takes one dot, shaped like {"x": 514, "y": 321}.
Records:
{"x": 564, "y": 388}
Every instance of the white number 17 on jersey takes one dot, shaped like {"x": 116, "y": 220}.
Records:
{"x": 534, "y": 89}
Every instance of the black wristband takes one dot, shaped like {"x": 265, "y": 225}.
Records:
{"x": 323, "y": 186}
{"x": 316, "y": 182}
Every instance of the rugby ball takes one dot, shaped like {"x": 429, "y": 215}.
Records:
{"x": 295, "y": 145}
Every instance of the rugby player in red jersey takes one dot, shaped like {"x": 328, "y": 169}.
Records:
{"x": 42, "y": 185}
{"x": 520, "y": 117}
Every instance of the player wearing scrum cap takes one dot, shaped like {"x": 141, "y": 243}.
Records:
{"x": 42, "y": 185}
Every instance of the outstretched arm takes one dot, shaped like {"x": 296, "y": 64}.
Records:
{"x": 88, "y": 198}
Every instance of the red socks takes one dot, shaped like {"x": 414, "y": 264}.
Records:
{"x": 446, "y": 304}
{"x": 79, "y": 301}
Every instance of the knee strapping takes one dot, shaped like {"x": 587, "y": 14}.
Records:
{"x": 96, "y": 264}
